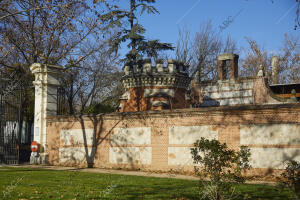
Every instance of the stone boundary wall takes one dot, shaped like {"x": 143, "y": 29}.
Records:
{"x": 161, "y": 140}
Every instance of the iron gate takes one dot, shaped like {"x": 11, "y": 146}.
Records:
{"x": 10, "y": 126}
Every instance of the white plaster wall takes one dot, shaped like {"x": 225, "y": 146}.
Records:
{"x": 236, "y": 101}
{"x": 270, "y": 134}
{"x": 73, "y": 154}
{"x": 219, "y": 88}
{"x": 190, "y": 134}
{"x": 273, "y": 157}
{"x": 224, "y": 94}
{"x": 180, "y": 156}
{"x": 130, "y": 155}
{"x": 75, "y": 137}
{"x": 129, "y": 136}
{"x": 229, "y": 94}
{"x": 225, "y": 102}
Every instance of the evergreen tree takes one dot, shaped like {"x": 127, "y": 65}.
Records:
{"x": 134, "y": 32}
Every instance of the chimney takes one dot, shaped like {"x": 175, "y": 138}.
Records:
{"x": 275, "y": 73}
{"x": 234, "y": 69}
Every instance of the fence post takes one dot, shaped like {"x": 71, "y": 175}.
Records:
{"x": 46, "y": 84}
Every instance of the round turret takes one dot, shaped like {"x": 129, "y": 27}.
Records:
{"x": 155, "y": 87}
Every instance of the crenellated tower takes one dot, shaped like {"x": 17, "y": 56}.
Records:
{"x": 155, "y": 87}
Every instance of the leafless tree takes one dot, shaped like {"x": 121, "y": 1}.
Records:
{"x": 47, "y": 35}
{"x": 63, "y": 32}
{"x": 289, "y": 62}
{"x": 288, "y": 65}
{"x": 92, "y": 81}
{"x": 201, "y": 50}
{"x": 256, "y": 55}
{"x": 183, "y": 46}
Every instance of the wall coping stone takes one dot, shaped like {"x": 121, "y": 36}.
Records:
{"x": 236, "y": 110}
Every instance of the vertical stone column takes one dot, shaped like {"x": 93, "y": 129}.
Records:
{"x": 46, "y": 84}
{"x": 234, "y": 65}
{"x": 234, "y": 68}
{"x": 275, "y": 73}
{"x": 221, "y": 65}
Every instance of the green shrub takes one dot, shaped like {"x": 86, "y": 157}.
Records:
{"x": 290, "y": 178}
{"x": 219, "y": 168}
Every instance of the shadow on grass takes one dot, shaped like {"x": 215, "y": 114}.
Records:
{"x": 15, "y": 169}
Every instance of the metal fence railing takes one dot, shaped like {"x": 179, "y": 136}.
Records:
{"x": 62, "y": 104}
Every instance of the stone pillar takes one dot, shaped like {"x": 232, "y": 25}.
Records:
{"x": 275, "y": 73}
{"x": 46, "y": 84}
{"x": 221, "y": 65}
{"x": 234, "y": 68}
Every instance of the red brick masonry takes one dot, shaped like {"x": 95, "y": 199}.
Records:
{"x": 226, "y": 120}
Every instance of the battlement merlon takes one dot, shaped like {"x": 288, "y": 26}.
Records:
{"x": 143, "y": 74}
{"x": 145, "y": 67}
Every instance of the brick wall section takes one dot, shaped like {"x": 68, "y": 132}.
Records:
{"x": 226, "y": 121}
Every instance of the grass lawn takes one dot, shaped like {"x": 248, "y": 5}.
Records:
{"x": 22, "y": 183}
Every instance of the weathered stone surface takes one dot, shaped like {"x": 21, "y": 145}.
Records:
{"x": 229, "y": 87}
{"x": 156, "y": 80}
{"x": 127, "y": 136}
{"x": 270, "y": 134}
{"x": 175, "y": 74}
{"x": 236, "y": 101}
{"x": 190, "y": 134}
{"x": 130, "y": 155}
{"x": 77, "y": 137}
{"x": 160, "y": 67}
{"x": 74, "y": 155}
{"x": 227, "y": 56}
{"x": 275, "y": 73}
{"x": 147, "y": 67}
{"x": 225, "y": 93}
{"x": 273, "y": 158}
{"x": 229, "y": 94}
{"x": 180, "y": 156}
